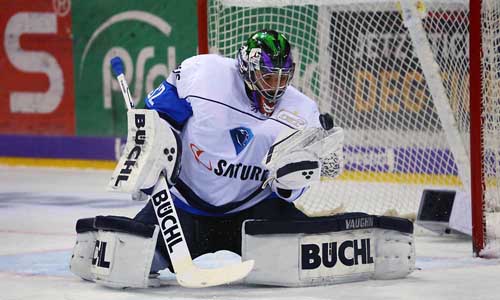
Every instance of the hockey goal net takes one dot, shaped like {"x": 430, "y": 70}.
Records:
{"x": 395, "y": 76}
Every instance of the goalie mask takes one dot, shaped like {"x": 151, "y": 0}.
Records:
{"x": 267, "y": 67}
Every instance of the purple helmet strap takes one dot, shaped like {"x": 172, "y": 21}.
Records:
{"x": 288, "y": 62}
{"x": 268, "y": 62}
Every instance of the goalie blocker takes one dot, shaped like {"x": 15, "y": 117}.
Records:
{"x": 152, "y": 148}
{"x": 328, "y": 250}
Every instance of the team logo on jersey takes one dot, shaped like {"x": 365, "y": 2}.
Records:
{"x": 197, "y": 152}
{"x": 292, "y": 119}
{"x": 241, "y": 137}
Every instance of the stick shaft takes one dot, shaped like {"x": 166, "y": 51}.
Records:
{"x": 125, "y": 92}
{"x": 118, "y": 69}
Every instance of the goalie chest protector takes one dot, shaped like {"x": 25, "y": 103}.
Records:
{"x": 328, "y": 250}
{"x": 225, "y": 139}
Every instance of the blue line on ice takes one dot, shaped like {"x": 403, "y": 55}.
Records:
{"x": 54, "y": 263}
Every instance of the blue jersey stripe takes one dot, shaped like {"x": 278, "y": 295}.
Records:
{"x": 165, "y": 100}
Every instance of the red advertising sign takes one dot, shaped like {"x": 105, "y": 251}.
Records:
{"x": 36, "y": 67}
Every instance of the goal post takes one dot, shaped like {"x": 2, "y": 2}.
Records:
{"x": 476, "y": 136}
{"x": 414, "y": 83}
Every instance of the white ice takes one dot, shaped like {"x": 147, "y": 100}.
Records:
{"x": 39, "y": 208}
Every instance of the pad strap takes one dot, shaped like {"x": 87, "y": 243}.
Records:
{"x": 125, "y": 225}
{"x": 342, "y": 222}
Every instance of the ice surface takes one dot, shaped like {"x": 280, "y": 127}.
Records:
{"x": 39, "y": 207}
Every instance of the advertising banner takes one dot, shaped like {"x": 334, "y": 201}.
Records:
{"x": 379, "y": 72}
{"x": 152, "y": 37}
{"x": 36, "y": 77}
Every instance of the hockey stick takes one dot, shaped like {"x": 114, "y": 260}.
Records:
{"x": 187, "y": 274}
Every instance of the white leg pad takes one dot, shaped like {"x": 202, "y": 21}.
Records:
{"x": 81, "y": 259}
{"x": 394, "y": 254}
{"x": 122, "y": 260}
{"x": 328, "y": 251}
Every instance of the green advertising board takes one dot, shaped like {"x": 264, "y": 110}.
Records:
{"x": 152, "y": 37}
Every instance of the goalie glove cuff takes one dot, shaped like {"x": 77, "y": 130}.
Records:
{"x": 288, "y": 195}
{"x": 284, "y": 193}
{"x": 295, "y": 175}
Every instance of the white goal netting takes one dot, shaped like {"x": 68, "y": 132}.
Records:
{"x": 395, "y": 76}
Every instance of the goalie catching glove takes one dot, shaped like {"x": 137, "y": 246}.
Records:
{"x": 295, "y": 171}
{"x": 300, "y": 158}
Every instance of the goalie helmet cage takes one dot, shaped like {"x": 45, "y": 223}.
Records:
{"x": 420, "y": 108}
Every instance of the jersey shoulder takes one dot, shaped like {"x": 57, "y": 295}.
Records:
{"x": 297, "y": 110}
{"x": 204, "y": 75}
{"x": 296, "y": 97}
{"x": 206, "y": 63}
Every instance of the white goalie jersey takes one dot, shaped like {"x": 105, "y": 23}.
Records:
{"x": 224, "y": 140}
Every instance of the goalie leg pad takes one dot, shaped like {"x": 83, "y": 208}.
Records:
{"x": 81, "y": 259}
{"x": 121, "y": 254}
{"x": 328, "y": 250}
{"x": 124, "y": 252}
{"x": 395, "y": 254}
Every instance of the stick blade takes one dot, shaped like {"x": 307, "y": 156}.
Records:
{"x": 200, "y": 278}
